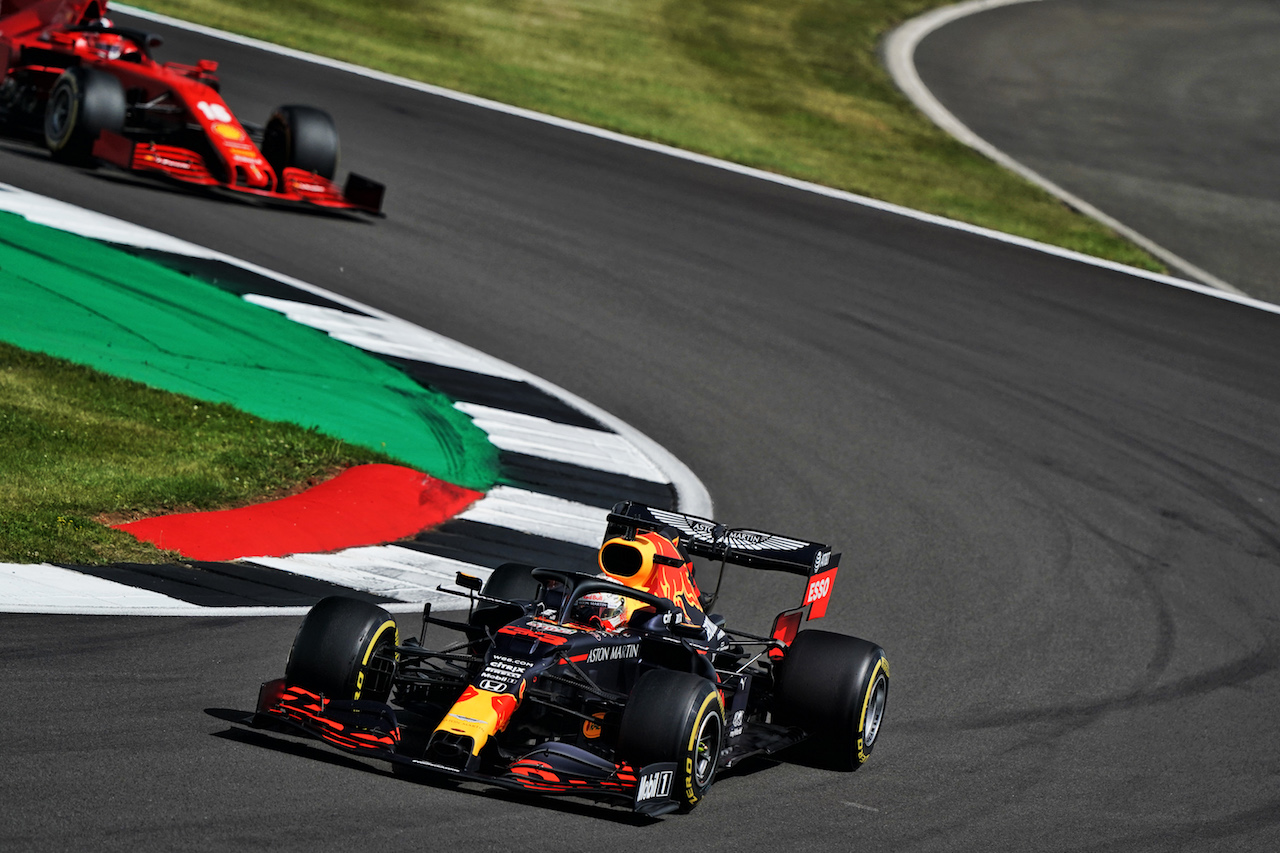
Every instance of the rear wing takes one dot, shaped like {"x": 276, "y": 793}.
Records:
{"x": 754, "y": 549}
{"x": 703, "y": 537}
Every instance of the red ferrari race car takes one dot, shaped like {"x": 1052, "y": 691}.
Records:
{"x": 621, "y": 686}
{"x": 93, "y": 92}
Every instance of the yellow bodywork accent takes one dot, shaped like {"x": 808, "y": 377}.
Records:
{"x": 478, "y": 714}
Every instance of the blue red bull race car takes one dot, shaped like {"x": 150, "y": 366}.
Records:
{"x": 93, "y": 93}
{"x": 620, "y": 686}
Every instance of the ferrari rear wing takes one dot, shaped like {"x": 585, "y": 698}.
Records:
{"x": 703, "y": 537}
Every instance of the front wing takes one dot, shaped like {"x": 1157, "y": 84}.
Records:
{"x": 371, "y": 729}
{"x": 187, "y": 166}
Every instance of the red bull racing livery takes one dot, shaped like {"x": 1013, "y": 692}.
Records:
{"x": 620, "y": 685}
{"x": 92, "y": 92}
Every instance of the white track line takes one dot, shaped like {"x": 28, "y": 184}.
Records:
{"x": 386, "y": 570}
{"x": 539, "y": 515}
{"x": 50, "y": 589}
{"x": 724, "y": 165}
{"x": 900, "y": 48}
{"x": 586, "y": 448}
{"x": 389, "y": 336}
{"x": 55, "y": 591}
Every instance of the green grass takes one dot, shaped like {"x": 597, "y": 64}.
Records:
{"x": 793, "y": 87}
{"x": 77, "y": 445}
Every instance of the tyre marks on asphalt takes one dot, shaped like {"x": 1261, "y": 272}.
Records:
{"x": 563, "y": 464}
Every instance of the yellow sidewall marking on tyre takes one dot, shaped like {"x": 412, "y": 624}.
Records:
{"x": 368, "y": 652}
{"x": 690, "y": 751}
{"x": 882, "y": 665}
{"x": 73, "y": 113}
{"x": 377, "y": 635}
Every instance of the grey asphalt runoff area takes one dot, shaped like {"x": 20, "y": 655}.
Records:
{"x": 1056, "y": 487}
{"x": 1161, "y": 113}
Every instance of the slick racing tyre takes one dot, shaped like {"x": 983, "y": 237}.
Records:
{"x": 82, "y": 103}
{"x": 834, "y": 687}
{"x": 678, "y": 717}
{"x": 302, "y": 137}
{"x": 512, "y": 581}
{"x": 345, "y": 650}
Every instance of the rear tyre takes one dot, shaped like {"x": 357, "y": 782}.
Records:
{"x": 345, "y": 650}
{"x": 82, "y": 103}
{"x": 677, "y": 717}
{"x": 301, "y": 137}
{"x": 835, "y": 688}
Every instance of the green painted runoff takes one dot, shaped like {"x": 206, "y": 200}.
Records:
{"x": 95, "y": 305}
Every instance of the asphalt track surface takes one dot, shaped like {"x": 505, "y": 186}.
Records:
{"x": 1159, "y": 112}
{"x": 1055, "y": 487}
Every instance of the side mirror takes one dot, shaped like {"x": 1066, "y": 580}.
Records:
{"x": 470, "y": 582}
{"x": 690, "y": 630}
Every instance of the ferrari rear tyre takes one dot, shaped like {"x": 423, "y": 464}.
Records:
{"x": 345, "y": 650}
{"x": 301, "y": 137}
{"x": 675, "y": 717}
{"x": 835, "y": 688}
{"x": 82, "y": 103}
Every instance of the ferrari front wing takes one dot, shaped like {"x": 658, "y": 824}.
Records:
{"x": 293, "y": 185}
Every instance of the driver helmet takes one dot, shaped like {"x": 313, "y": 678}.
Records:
{"x": 605, "y": 610}
{"x": 110, "y": 45}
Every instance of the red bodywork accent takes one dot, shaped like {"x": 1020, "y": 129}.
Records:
{"x": 312, "y": 188}
{"x": 785, "y": 628}
{"x": 521, "y": 631}
{"x": 504, "y": 705}
{"x": 308, "y": 709}
{"x": 177, "y": 163}
{"x": 818, "y": 592}
{"x": 540, "y": 776}
{"x": 672, "y": 582}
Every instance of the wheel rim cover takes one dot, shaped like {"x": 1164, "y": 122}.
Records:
{"x": 59, "y": 113}
{"x": 706, "y": 749}
{"x": 875, "y": 712}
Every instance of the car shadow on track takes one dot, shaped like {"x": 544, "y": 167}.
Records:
{"x": 285, "y": 744}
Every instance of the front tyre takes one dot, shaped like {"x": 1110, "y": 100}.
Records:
{"x": 302, "y": 137}
{"x": 513, "y": 582}
{"x": 675, "y": 717}
{"x": 344, "y": 649}
{"x": 835, "y": 687}
{"x": 82, "y": 104}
